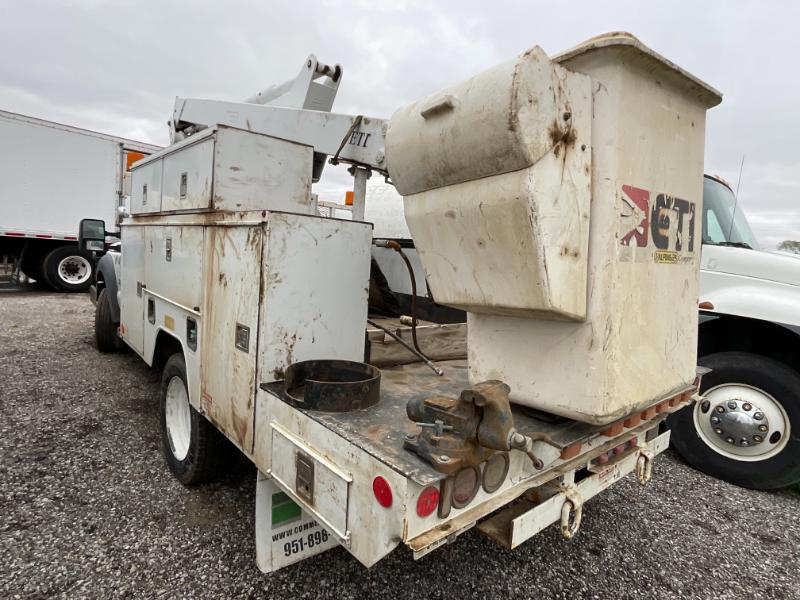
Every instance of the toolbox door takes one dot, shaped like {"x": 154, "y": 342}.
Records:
{"x": 131, "y": 282}
{"x": 232, "y": 273}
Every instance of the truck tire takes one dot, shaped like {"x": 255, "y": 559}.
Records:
{"x": 33, "y": 267}
{"x": 746, "y": 430}
{"x": 194, "y": 450}
{"x": 67, "y": 269}
{"x": 105, "y": 329}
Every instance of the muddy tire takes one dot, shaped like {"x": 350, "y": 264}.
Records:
{"x": 746, "y": 430}
{"x": 33, "y": 267}
{"x": 105, "y": 329}
{"x": 194, "y": 450}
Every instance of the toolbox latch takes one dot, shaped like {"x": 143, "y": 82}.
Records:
{"x": 304, "y": 480}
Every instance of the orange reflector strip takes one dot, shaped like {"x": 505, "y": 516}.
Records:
{"x": 349, "y": 196}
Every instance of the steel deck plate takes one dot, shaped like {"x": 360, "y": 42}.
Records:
{"x": 380, "y": 430}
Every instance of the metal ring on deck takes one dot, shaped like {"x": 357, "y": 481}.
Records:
{"x": 332, "y": 385}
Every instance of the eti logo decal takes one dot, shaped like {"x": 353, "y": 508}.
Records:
{"x": 666, "y": 223}
{"x": 359, "y": 138}
{"x": 638, "y": 201}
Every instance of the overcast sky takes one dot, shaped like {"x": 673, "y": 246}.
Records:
{"x": 116, "y": 66}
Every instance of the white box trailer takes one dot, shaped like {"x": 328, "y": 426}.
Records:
{"x": 52, "y": 176}
{"x": 257, "y": 308}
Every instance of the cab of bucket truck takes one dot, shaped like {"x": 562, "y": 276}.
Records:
{"x": 257, "y": 306}
{"x": 745, "y": 431}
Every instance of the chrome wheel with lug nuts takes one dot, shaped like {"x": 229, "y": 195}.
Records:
{"x": 67, "y": 269}
{"x": 75, "y": 270}
{"x": 745, "y": 428}
{"x": 742, "y": 422}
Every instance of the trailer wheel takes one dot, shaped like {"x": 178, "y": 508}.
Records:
{"x": 105, "y": 329}
{"x": 745, "y": 430}
{"x": 33, "y": 267}
{"x": 67, "y": 269}
{"x": 193, "y": 449}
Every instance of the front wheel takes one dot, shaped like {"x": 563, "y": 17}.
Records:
{"x": 745, "y": 429}
{"x": 193, "y": 449}
{"x": 105, "y": 329}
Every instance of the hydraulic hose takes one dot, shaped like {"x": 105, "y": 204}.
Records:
{"x": 397, "y": 248}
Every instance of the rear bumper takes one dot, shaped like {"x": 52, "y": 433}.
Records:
{"x": 562, "y": 501}
{"x": 531, "y": 508}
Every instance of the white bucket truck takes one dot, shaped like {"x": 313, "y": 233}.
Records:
{"x": 581, "y": 327}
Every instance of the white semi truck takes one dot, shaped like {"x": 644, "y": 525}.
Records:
{"x": 52, "y": 176}
{"x": 261, "y": 312}
{"x": 747, "y": 428}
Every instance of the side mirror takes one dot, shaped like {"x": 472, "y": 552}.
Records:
{"x": 92, "y": 235}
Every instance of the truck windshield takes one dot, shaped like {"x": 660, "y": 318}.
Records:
{"x": 718, "y": 210}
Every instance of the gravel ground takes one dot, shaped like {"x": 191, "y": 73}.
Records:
{"x": 88, "y": 508}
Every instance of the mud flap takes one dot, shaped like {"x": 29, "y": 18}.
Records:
{"x": 285, "y": 534}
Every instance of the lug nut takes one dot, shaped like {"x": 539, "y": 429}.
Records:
{"x": 758, "y": 439}
{"x": 731, "y": 404}
{"x": 730, "y": 440}
{"x": 714, "y": 420}
{"x": 763, "y": 428}
{"x": 720, "y": 409}
{"x": 705, "y": 405}
{"x": 718, "y": 431}
{"x": 747, "y": 406}
{"x": 758, "y": 416}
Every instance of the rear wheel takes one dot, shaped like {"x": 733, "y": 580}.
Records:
{"x": 33, "y": 267}
{"x": 745, "y": 430}
{"x": 67, "y": 269}
{"x": 195, "y": 452}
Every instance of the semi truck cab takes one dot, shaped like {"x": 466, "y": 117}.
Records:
{"x": 747, "y": 429}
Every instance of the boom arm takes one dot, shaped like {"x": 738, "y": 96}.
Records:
{"x": 352, "y": 139}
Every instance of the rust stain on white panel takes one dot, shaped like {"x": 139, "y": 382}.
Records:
{"x": 228, "y": 373}
{"x": 316, "y": 277}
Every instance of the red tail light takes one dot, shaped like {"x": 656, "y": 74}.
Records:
{"x": 428, "y": 501}
{"x": 382, "y": 491}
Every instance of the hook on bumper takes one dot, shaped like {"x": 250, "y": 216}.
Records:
{"x": 644, "y": 466}
{"x": 571, "y": 513}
